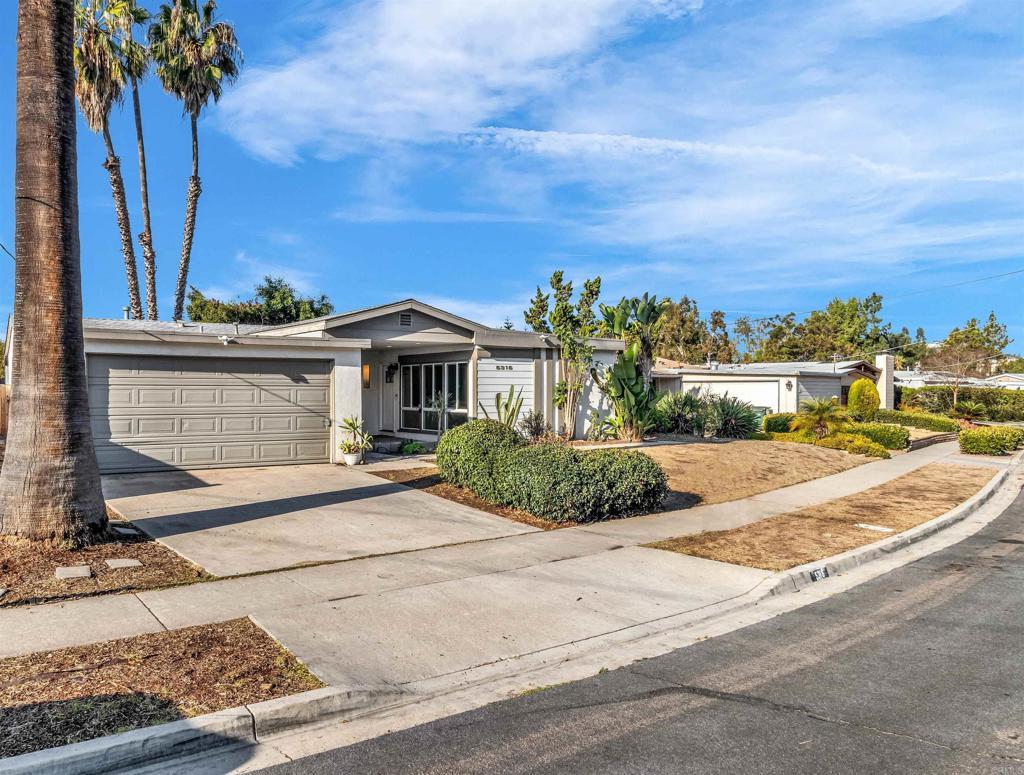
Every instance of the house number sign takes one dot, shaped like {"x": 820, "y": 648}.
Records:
{"x": 499, "y": 367}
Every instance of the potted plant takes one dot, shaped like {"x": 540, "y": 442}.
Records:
{"x": 359, "y": 441}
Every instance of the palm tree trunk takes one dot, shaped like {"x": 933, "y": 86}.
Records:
{"x": 124, "y": 223}
{"x": 191, "y": 204}
{"x": 146, "y": 237}
{"x": 50, "y": 482}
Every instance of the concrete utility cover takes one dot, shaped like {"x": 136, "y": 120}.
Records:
{"x": 125, "y": 531}
{"x": 74, "y": 572}
{"x": 126, "y": 563}
{"x": 240, "y": 520}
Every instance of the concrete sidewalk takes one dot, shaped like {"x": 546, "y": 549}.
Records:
{"x": 407, "y": 616}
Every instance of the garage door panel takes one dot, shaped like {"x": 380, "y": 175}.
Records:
{"x": 154, "y": 412}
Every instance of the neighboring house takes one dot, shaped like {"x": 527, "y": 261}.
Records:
{"x": 777, "y": 387}
{"x": 203, "y": 395}
{"x": 1010, "y": 380}
{"x": 917, "y": 379}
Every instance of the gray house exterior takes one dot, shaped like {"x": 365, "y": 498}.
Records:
{"x": 199, "y": 395}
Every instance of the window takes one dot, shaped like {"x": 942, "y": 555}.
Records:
{"x": 421, "y": 382}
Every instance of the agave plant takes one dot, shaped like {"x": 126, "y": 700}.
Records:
{"x": 508, "y": 406}
{"x": 732, "y": 418}
{"x": 820, "y": 416}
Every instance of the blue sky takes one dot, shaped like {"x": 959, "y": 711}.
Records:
{"x": 758, "y": 156}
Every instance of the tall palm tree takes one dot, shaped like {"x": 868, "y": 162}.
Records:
{"x": 124, "y": 15}
{"x": 49, "y": 483}
{"x": 99, "y": 85}
{"x": 195, "y": 55}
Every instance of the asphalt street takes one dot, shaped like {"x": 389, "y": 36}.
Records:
{"x": 918, "y": 671}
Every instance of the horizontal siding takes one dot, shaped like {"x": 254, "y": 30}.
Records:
{"x": 817, "y": 387}
{"x": 494, "y": 375}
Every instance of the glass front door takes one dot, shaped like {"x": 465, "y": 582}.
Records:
{"x": 435, "y": 395}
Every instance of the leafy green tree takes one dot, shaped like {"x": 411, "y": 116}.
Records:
{"x": 686, "y": 337}
{"x": 195, "y": 56}
{"x": 276, "y": 302}
{"x": 770, "y": 338}
{"x": 536, "y": 316}
{"x": 863, "y": 401}
{"x": 1013, "y": 365}
{"x": 968, "y": 351}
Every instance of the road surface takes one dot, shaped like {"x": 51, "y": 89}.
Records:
{"x": 918, "y": 671}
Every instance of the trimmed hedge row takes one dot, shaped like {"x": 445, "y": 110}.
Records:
{"x": 777, "y": 423}
{"x": 991, "y": 441}
{"x": 554, "y": 481}
{"x": 928, "y": 422}
{"x": 848, "y": 442}
{"x": 1003, "y": 404}
{"x": 889, "y": 436}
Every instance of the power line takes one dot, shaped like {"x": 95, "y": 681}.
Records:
{"x": 930, "y": 289}
{"x": 4, "y": 248}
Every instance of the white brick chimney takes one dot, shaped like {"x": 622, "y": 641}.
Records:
{"x": 886, "y": 364}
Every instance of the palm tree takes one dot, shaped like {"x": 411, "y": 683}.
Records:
{"x": 50, "y": 483}
{"x": 100, "y": 84}
{"x": 195, "y": 55}
{"x": 820, "y": 416}
{"x": 124, "y": 15}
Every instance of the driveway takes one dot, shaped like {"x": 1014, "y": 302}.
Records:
{"x": 243, "y": 520}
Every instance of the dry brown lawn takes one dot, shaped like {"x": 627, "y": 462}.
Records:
{"x": 65, "y": 696}
{"x": 788, "y": 540}
{"x": 27, "y": 569}
{"x": 701, "y": 472}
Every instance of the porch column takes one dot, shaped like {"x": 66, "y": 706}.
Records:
{"x": 347, "y": 398}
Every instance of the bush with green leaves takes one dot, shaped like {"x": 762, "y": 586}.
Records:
{"x": 561, "y": 483}
{"x": 732, "y": 418}
{"x": 820, "y": 416}
{"x": 778, "y": 423}
{"x": 533, "y": 425}
{"x": 798, "y": 437}
{"x": 679, "y": 412}
{"x": 473, "y": 455}
{"x": 854, "y": 444}
{"x": 1001, "y": 404}
{"x": 412, "y": 448}
{"x": 863, "y": 400}
{"x": 889, "y": 436}
{"x": 970, "y": 410}
{"x": 923, "y": 420}
{"x": 990, "y": 441}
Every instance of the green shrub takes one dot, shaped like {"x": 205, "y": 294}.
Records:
{"x": 777, "y": 423}
{"x": 798, "y": 437}
{"x": 854, "y": 444}
{"x": 863, "y": 400}
{"x": 990, "y": 441}
{"x": 760, "y": 436}
{"x": 1001, "y": 404}
{"x": 732, "y": 418}
{"x": 473, "y": 454}
{"x": 889, "y": 436}
{"x": 928, "y": 422}
{"x": 970, "y": 410}
{"x": 561, "y": 483}
{"x": 678, "y": 412}
{"x": 412, "y": 448}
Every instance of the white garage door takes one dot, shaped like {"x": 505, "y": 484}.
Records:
{"x": 762, "y": 394}
{"x": 155, "y": 412}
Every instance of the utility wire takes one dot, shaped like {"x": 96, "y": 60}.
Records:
{"x": 4, "y": 248}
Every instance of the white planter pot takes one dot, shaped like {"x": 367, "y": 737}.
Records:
{"x": 352, "y": 459}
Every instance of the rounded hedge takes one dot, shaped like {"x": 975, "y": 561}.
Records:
{"x": 777, "y": 423}
{"x": 889, "y": 436}
{"x": 863, "y": 400}
{"x": 550, "y": 480}
{"x": 634, "y": 482}
{"x": 474, "y": 454}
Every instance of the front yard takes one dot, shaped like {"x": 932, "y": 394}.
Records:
{"x": 55, "y": 698}
{"x": 699, "y": 473}
{"x": 788, "y": 540}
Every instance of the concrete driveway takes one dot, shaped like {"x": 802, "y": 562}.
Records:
{"x": 242, "y": 520}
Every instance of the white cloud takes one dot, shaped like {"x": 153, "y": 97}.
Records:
{"x": 490, "y": 313}
{"x": 246, "y": 271}
{"x": 393, "y": 70}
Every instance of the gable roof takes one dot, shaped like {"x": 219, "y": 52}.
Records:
{"x": 777, "y": 369}
{"x": 366, "y": 313}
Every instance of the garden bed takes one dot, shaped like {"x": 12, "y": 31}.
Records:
{"x": 788, "y": 540}
{"x": 55, "y": 698}
{"x": 27, "y": 569}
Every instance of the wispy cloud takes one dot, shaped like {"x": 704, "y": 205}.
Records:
{"x": 246, "y": 271}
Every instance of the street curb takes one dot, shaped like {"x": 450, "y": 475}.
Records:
{"x": 235, "y": 727}
{"x": 803, "y": 575}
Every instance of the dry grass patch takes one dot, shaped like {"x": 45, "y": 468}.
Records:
{"x": 783, "y": 542}
{"x": 428, "y": 479}
{"x": 701, "y": 472}
{"x": 54, "y": 698}
{"x": 27, "y": 569}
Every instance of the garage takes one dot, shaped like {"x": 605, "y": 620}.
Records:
{"x": 152, "y": 412}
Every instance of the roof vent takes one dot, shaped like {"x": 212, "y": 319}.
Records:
{"x": 405, "y": 319}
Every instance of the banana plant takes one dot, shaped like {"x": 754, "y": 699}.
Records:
{"x": 637, "y": 320}
{"x": 508, "y": 406}
{"x": 623, "y": 383}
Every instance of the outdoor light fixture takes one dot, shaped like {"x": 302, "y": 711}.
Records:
{"x": 389, "y": 372}
{"x": 789, "y": 384}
